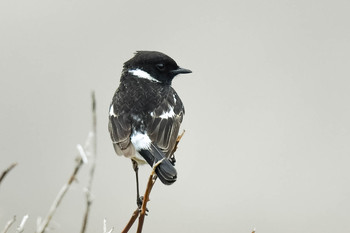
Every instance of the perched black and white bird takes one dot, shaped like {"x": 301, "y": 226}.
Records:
{"x": 146, "y": 113}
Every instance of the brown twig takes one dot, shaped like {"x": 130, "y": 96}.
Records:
{"x": 151, "y": 180}
{"x": 131, "y": 221}
{"x": 93, "y": 163}
{"x": 7, "y": 170}
{"x": 178, "y": 139}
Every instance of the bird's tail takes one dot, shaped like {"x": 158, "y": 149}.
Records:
{"x": 165, "y": 170}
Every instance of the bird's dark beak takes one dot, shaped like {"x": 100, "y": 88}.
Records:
{"x": 181, "y": 71}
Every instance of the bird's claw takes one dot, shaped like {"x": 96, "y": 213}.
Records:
{"x": 139, "y": 203}
{"x": 172, "y": 160}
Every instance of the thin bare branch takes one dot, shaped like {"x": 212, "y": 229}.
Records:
{"x": 82, "y": 153}
{"x": 87, "y": 211}
{"x": 20, "y": 228}
{"x": 178, "y": 139}
{"x": 9, "y": 224}
{"x": 105, "y": 227}
{"x": 93, "y": 163}
{"x": 131, "y": 221}
{"x": 43, "y": 224}
{"x": 94, "y": 141}
{"x": 151, "y": 180}
{"x": 6, "y": 171}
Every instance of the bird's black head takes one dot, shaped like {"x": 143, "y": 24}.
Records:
{"x": 154, "y": 66}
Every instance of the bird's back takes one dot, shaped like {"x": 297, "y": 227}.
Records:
{"x": 147, "y": 107}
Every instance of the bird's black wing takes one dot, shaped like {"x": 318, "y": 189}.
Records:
{"x": 164, "y": 122}
{"x": 120, "y": 130}
{"x": 163, "y": 125}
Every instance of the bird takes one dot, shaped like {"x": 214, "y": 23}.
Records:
{"x": 146, "y": 113}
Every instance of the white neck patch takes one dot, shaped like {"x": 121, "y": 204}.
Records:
{"x": 143, "y": 74}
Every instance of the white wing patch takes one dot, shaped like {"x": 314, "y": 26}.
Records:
{"x": 170, "y": 113}
{"x": 111, "y": 111}
{"x": 143, "y": 74}
{"x": 141, "y": 141}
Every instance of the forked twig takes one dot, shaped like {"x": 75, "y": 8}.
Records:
{"x": 151, "y": 180}
{"x": 42, "y": 225}
{"x": 141, "y": 213}
{"x": 7, "y": 170}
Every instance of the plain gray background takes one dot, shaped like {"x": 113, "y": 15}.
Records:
{"x": 267, "y": 112}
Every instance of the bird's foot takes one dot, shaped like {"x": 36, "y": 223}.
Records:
{"x": 139, "y": 202}
{"x": 172, "y": 160}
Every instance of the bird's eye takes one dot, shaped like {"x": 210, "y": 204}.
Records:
{"x": 160, "y": 66}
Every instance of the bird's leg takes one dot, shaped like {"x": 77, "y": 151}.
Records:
{"x": 135, "y": 166}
